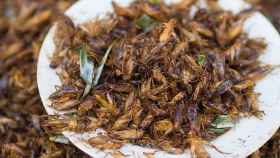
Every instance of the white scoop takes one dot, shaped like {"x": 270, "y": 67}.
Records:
{"x": 248, "y": 135}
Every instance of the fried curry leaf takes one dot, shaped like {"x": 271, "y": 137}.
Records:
{"x": 145, "y": 23}
{"x": 201, "y": 59}
{"x": 101, "y": 66}
{"x": 223, "y": 121}
{"x": 86, "y": 70}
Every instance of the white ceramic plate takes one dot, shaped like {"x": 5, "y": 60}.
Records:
{"x": 249, "y": 133}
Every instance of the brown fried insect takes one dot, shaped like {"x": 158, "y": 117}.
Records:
{"x": 105, "y": 104}
{"x": 163, "y": 127}
{"x": 201, "y": 29}
{"x": 168, "y": 31}
{"x": 223, "y": 87}
{"x": 244, "y": 85}
{"x": 197, "y": 148}
{"x": 178, "y": 120}
{"x": 122, "y": 122}
{"x": 168, "y": 147}
{"x": 105, "y": 142}
{"x": 129, "y": 134}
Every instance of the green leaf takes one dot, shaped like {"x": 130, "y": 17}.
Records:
{"x": 217, "y": 130}
{"x": 86, "y": 70}
{"x": 221, "y": 124}
{"x": 145, "y": 23}
{"x": 223, "y": 121}
{"x": 101, "y": 66}
{"x": 155, "y": 2}
{"x": 201, "y": 60}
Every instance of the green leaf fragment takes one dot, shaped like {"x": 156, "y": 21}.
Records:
{"x": 221, "y": 124}
{"x": 101, "y": 66}
{"x": 223, "y": 121}
{"x": 145, "y": 23}
{"x": 217, "y": 130}
{"x": 87, "y": 90}
{"x": 86, "y": 70}
{"x": 269, "y": 17}
{"x": 201, "y": 60}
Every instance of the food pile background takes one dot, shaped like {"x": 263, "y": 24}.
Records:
{"x": 23, "y": 26}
